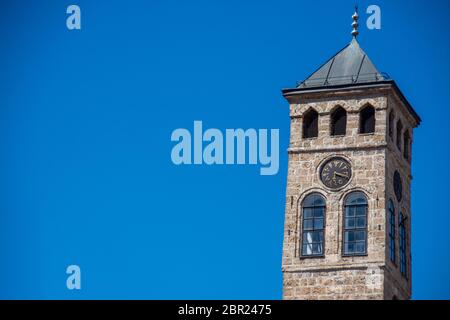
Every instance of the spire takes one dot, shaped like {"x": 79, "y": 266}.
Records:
{"x": 355, "y": 17}
{"x": 349, "y": 66}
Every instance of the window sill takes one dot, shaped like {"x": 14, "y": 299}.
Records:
{"x": 337, "y": 135}
{"x": 354, "y": 255}
{"x": 310, "y": 138}
{"x": 312, "y": 257}
{"x": 366, "y": 134}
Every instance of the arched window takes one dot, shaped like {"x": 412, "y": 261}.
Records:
{"x": 402, "y": 243}
{"x": 313, "y": 212}
{"x": 391, "y": 210}
{"x": 399, "y": 135}
{"x": 338, "y": 122}
{"x": 355, "y": 224}
{"x": 310, "y": 124}
{"x": 406, "y": 144}
{"x": 391, "y": 125}
{"x": 367, "y": 120}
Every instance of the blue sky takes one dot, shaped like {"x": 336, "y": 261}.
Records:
{"x": 86, "y": 118}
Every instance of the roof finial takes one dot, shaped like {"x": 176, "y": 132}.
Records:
{"x": 355, "y": 17}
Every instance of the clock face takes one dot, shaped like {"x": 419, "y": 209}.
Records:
{"x": 336, "y": 173}
{"x": 398, "y": 187}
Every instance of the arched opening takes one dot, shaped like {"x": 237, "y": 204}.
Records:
{"x": 355, "y": 224}
{"x": 391, "y": 125}
{"x": 391, "y": 210}
{"x": 406, "y": 144}
{"x": 399, "y": 135}
{"x": 313, "y": 225}
{"x": 311, "y": 124}
{"x": 338, "y": 122}
{"x": 402, "y": 243}
{"x": 367, "y": 120}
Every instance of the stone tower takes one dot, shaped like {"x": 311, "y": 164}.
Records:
{"x": 348, "y": 215}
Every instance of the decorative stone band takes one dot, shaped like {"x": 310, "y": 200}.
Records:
{"x": 338, "y": 149}
{"x": 335, "y": 267}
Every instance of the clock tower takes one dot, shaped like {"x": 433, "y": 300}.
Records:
{"x": 347, "y": 231}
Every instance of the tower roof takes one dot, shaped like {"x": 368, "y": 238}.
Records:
{"x": 351, "y": 65}
{"x": 349, "y": 69}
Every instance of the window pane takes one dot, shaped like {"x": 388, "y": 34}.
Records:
{"x": 318, "y": 212}
{"x": 360, "y": 247}
{"x": 355, "y": 223}
{"x": 349, "y": 248}
{"x": 350, "y": 211}
{"x": 361, "y": 210}
{"x": 360, "y": 235}
{"x": 306, "y": 249}
{"x": 355, "y": 198}
{"x": 318, "y": 224}
{"x": 349, "y": 223}
{"x": 349, "y": 236}
{"x": 318, "y": 201}
{"x": 308, "y": 224}
{"x": 318, "y": 236}
{"x": 317, "y": 248}
{"x": 391, "y": 206}
{"x": 313, "y": 219}
{"x": 361, "y": 222}
{"x": 307, "y": 237}
{"x": 314, "y": 200}
{"x": 308, "y": 212}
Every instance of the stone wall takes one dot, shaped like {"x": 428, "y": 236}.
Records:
{"x": 396, "y": 284}
{"x": 356, "y": 283}
{"x": 334, "y": 276}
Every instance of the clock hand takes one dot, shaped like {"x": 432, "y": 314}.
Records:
{"x": 341, "y": 175}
